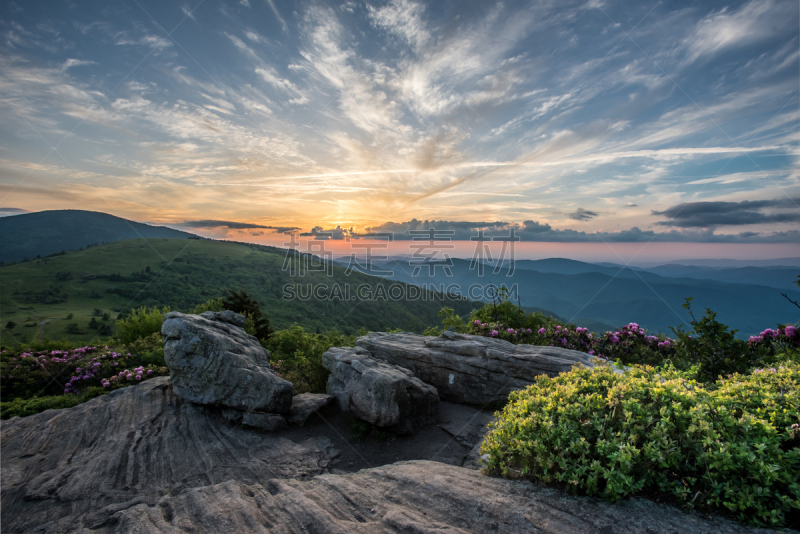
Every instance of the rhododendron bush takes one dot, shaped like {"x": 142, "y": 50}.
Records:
{"x": 45, "y": 373}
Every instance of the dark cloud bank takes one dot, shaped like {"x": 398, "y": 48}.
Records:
{"x": 233, "y": 225}
{"x": 713, "y": 214}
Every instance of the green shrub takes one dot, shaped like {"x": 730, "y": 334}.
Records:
{"x": 23, "y": 407}
{"x": 149, "y": 350}
{"x": 140, "y": 323}
{"x": 209, "y": 305}
{"x": 297, "y": 356}
{"x": 735, "y": 447}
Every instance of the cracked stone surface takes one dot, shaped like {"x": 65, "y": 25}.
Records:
{"x": 418, "y": 497}
{"x": 76, "y": 467}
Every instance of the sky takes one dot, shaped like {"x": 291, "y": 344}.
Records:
{"x": 566, "y": 122}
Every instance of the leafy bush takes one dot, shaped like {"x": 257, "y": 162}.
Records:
{"x": 735, "y": 447}
{"x": 23, "y": 407}
{"x": 297, "y": 356}
{"x": 140, "y": 323}
{"x": 149, "y": 350}
{"x": 216, "y": 305}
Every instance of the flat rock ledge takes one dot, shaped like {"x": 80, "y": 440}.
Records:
{"x": 470, "y": 369}
{"x": 213, "y": 361}
{"x": 72, "y": 470}
{"x": 382, "y": 394}
{"x": 418, "y": 497}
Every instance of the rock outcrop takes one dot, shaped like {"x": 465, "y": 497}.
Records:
{"x": 305, "y": 405}
{"x": 418, "y": 496}
{"x": 382, "y": 394}
{"x": 213, "y": 361}
{"x": 75, "y": 468}
{"x": 470, "y": 369}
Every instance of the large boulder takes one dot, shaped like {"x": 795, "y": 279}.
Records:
{"x": 212, "y": 360}
{"x": 73, "y": 469}
{"x": 471, "y": 369}
{"x": 382, "y": 394}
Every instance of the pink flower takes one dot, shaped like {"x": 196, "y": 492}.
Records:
{"x": 542, "y": 331}
{"x": 790, "y": 330}
{"x": 494, "y": 333}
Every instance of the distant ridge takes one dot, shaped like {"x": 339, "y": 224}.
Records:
{"x": 49, "y": 232}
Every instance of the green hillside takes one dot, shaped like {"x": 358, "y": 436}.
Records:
{"x": 46, "y": 296}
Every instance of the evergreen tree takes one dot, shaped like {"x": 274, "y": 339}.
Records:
{"x": 241, "y": 302}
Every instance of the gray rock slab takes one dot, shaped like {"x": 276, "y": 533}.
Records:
{"x": 418, "y": 496}
{"x": 213, "y": 361}
{"x": 471, "y": 369}
{"x": 265, "y": 421}
{"x": 305, "y": 405}
{"x": 74, "y": 468}
{"x": 385, "y": 395}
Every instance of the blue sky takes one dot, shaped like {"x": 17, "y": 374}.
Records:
{"x": 571, "y": 121}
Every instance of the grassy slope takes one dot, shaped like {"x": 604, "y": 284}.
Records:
{"x": 185, "y": 273}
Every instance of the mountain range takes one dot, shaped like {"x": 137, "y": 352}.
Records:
{"x": 599, "y": 296}
{"x": 39, "y": 234}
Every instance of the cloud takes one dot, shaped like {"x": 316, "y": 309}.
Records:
{"x": 535, "y": 231}
{"x": 76, "y": 63}
{"x": 153, "y": 41}
{"x": 754, "y": 21}
{"x": 582, "y": 215}
{"x": 337, "y": 233}
{"x": 271, "y": 4}
{"x": 712, "y": 214}
{"x": 210, "y": 223}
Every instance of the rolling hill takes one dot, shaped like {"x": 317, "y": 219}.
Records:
{"x": 72, "y": 289}
{"x": 40, "y": 234}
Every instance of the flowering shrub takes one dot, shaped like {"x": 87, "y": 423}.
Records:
{"x": 502, "y": 320}
{"x": 709, "y": 345}
{"x": 735, "y": 446}
{"x": 27, "y": 374}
